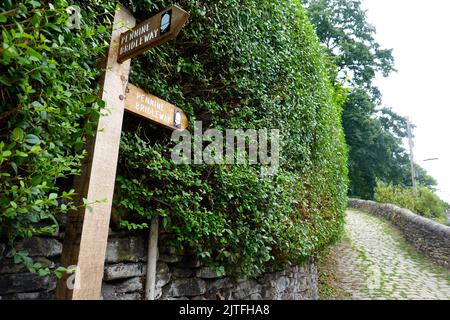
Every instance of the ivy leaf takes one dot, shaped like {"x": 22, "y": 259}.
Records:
{"x": 44, "y": 272}
{"x": 14, "y": 167}
{"x": 52, "y": 196}
{"x": 33, "y": 54}
{"x": 35, "y": 3}
{"x": 4, "y": 80}
{"x": 90, "y": 99}
{"x": 32, "y": 139}
{"x": 21, "y": 154}
{"x": 18, "y": 134}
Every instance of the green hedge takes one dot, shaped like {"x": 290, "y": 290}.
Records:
{"x": 251, "y": 64}
{"x": 48, "y": 89}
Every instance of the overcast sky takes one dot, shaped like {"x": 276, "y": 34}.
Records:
{"x": 419, "y": 33}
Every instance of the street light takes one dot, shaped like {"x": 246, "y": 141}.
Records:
{"x": 431, "y": 159}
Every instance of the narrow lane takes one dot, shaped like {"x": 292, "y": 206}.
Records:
{"x": 374, "y": 262}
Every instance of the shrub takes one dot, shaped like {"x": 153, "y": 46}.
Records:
{"x": 423, "y": 201}
{"x": 251, "y": 64}
{"x": 48, "y": 106}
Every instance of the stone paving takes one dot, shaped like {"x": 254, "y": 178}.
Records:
{"x": 374, "y": 262}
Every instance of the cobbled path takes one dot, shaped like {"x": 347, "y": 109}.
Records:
{"x": 374, "y": 262}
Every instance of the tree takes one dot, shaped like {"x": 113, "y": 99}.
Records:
{"x": 423, "y": 179}
{"x": 374, "y": 134}
{"x": 375, "y": 150}
{"x": 342, "y": 27}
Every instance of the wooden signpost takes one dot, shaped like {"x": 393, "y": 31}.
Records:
{"x": 86, "y": 233}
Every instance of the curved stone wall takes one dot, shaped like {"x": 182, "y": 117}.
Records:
{"x": 429, "y": 237}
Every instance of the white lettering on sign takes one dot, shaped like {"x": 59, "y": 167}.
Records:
{"x": 146, "y": 105}
{"x": 137, "y": 38}
{"x": 152, "y": 103}
{"x": 152, "y": 107}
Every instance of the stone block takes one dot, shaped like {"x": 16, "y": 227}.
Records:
{"x": 220, "y": 284}
{"x": 169, "y": 258}
{"x": 116, "y": 290}
{"x": 161, "y": 267}
{"x": 25, "y": 282}
{"x": 255, "y": 296}
{"x": 124, "y": 270}
{"x": 41, "y": 247}
{"x": 187, "y": 287}
{"x": 42, "y": 295}
{"x": 125, "y": 249}
{"x": 162, "y": 279}
{"x": 125, "y": 296}
{"x": 207, "y": 273}
{"x": 182, "y": 272}
{"x": 169, "y": 250}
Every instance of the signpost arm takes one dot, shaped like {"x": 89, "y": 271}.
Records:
{"x": 87, "y": 229}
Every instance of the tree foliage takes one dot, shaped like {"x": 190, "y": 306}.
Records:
{"x": 423, "y": 201}
{"x": 374, "y": 134}
{"x": 342, "y": 27}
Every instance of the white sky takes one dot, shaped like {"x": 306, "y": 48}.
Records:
{"x": 419, "y": 33}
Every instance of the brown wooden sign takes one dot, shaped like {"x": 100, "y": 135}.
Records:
{"x": 153, "y": 32}
{"x": 155, "y": 109}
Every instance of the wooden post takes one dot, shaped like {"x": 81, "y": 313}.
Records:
{"x": 87, "y": 229}
{"x": 152, "y": 257}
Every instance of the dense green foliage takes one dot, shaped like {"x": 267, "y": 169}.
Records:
{"x": 373, "y": 134}
{"x": 376, "y": 147}
{"x": 253, "y": 64}
{"x": 342, "y": 27}
{"x": 423, "y": 201}
{"x": 48, "y": 106}
{"x": 240, "y": 65}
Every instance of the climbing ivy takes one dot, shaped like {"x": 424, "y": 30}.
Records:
{"x": 252, "y": 64}
{"x": 48, "y": 106}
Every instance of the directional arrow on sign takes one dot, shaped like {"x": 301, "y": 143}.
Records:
{"x": 152, "y": 32}
{"x": 146, "y": 105}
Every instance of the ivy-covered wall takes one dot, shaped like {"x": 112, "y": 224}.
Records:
{"x": 252, "y": 64}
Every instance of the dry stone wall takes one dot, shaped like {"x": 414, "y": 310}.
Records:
{"x": 180, "y": 276}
